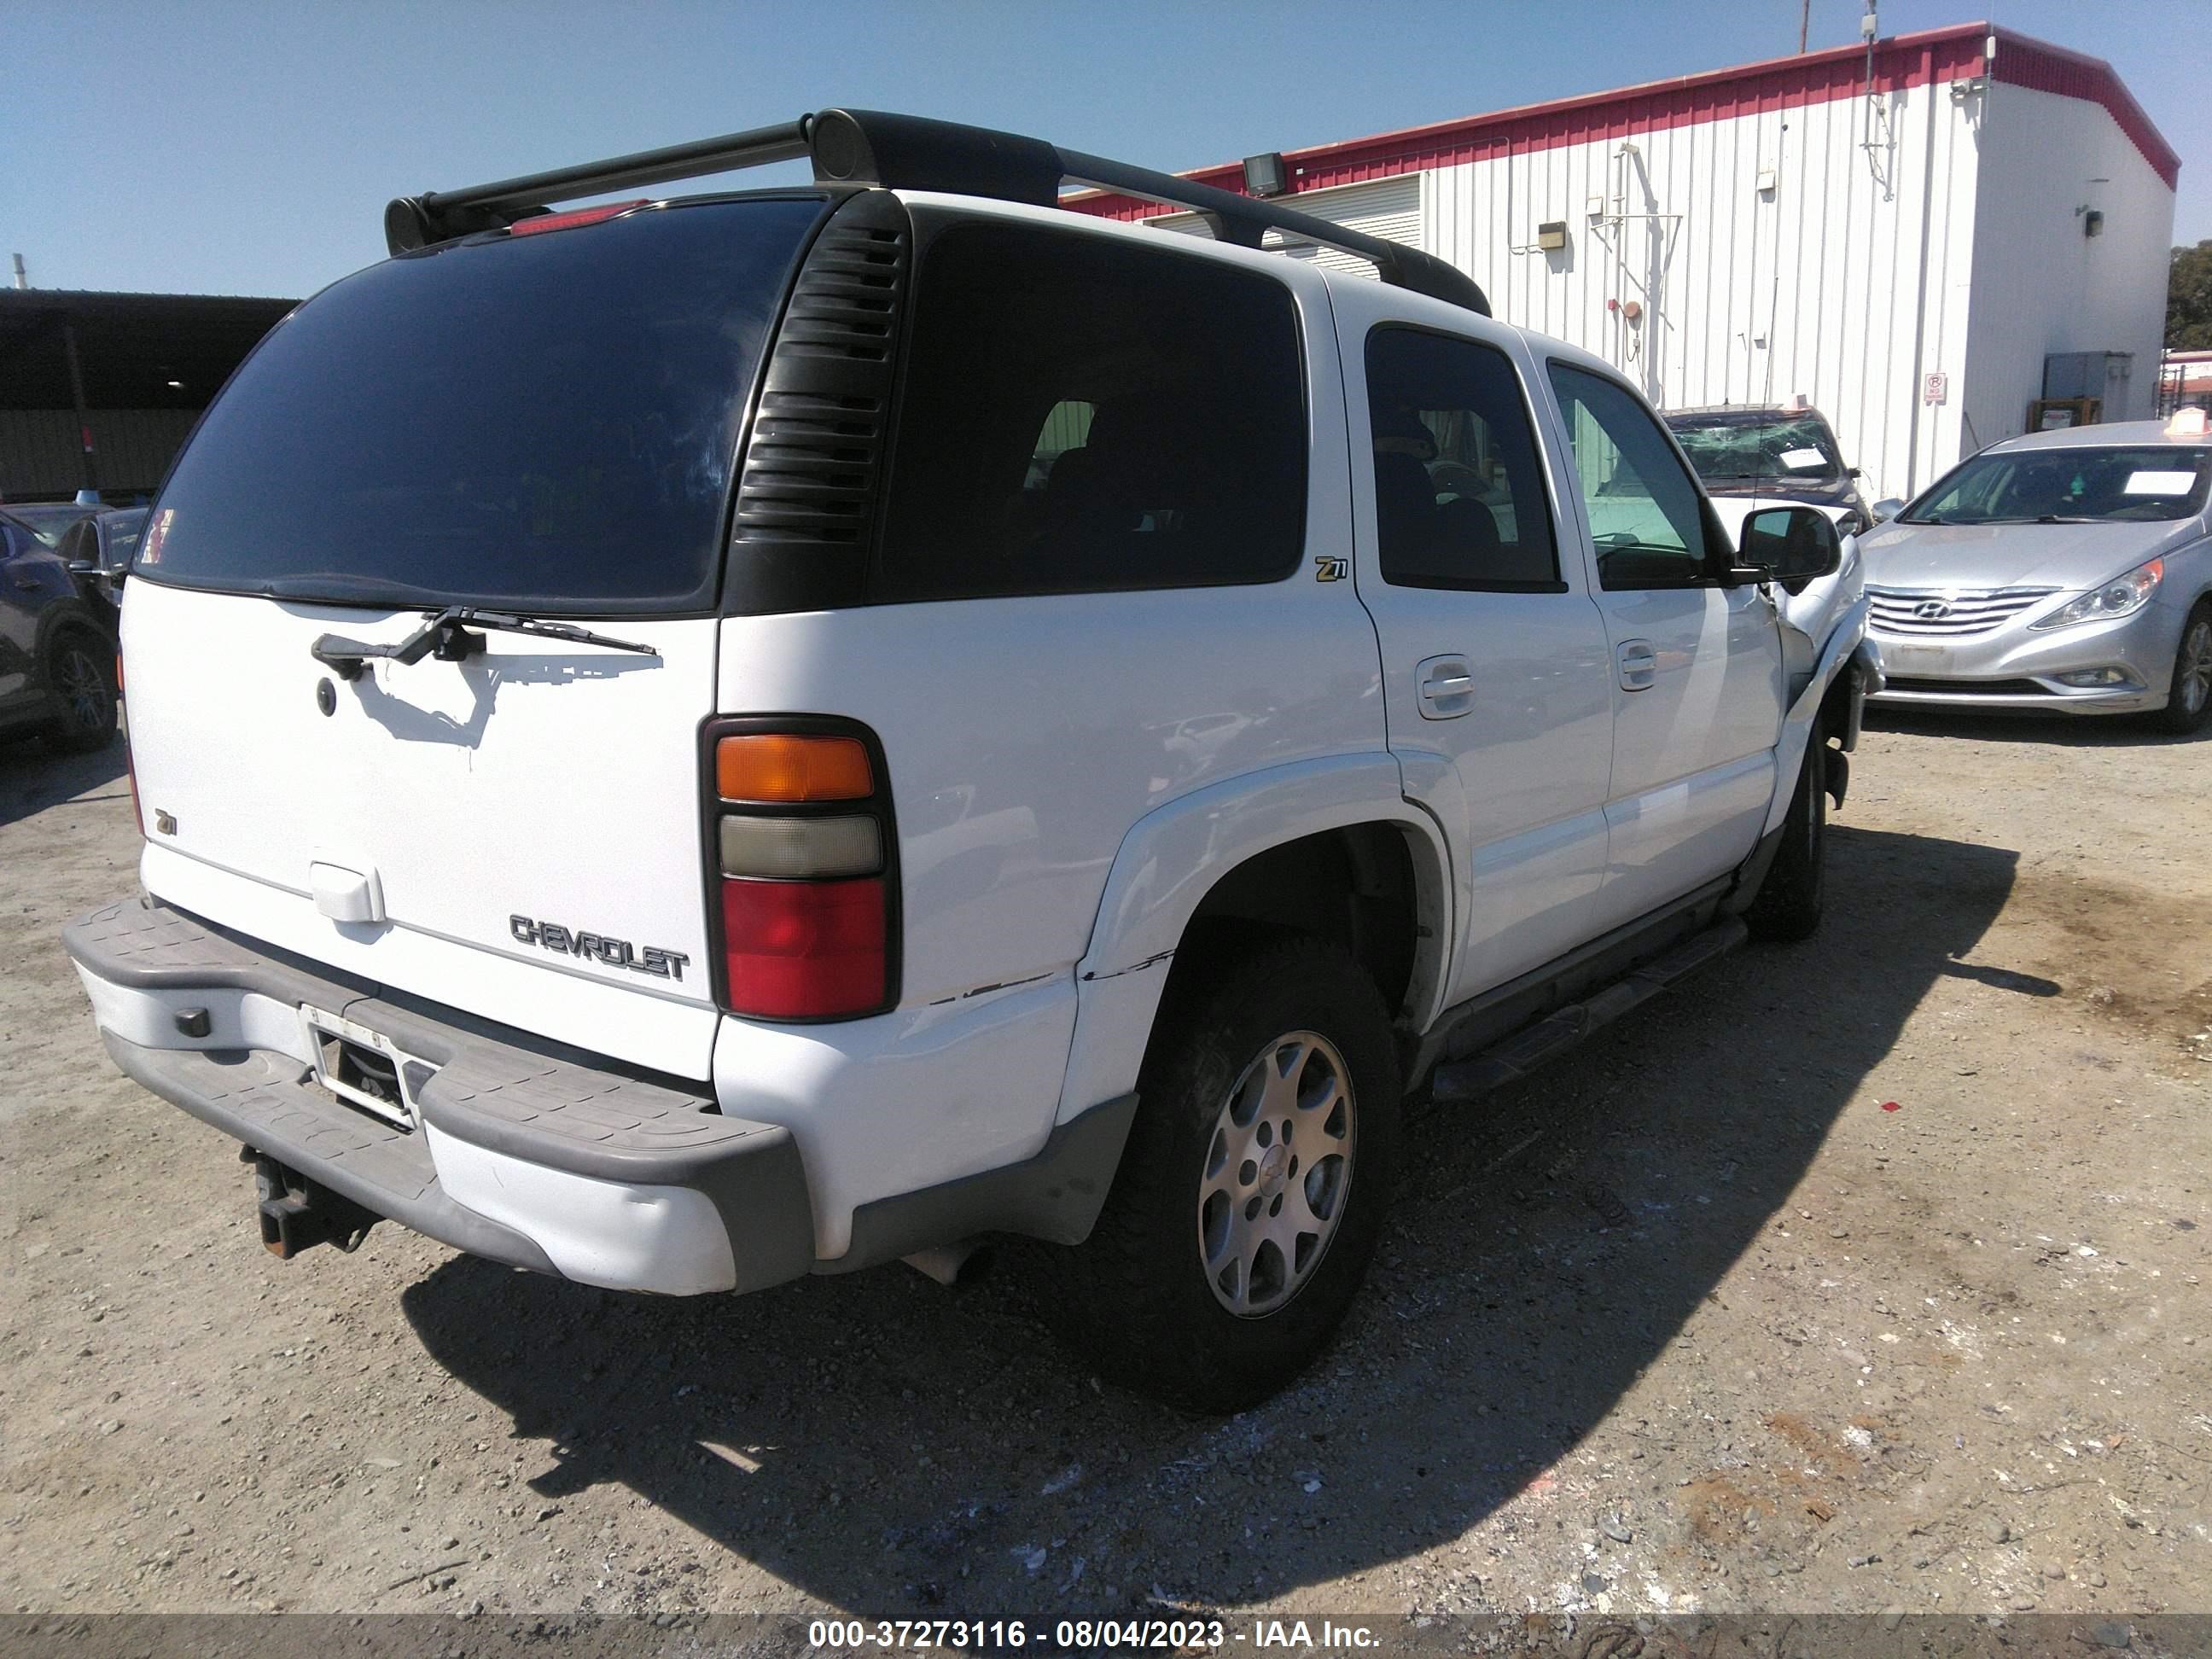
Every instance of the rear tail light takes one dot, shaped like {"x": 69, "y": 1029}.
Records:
{"x": 790, "y": 767}
{"x": 804, "y": 950}
{"x": 800, "y": 848}
{"x": 805, "y": 895}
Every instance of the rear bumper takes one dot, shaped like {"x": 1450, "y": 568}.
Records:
{"x": 527, "y": 1155}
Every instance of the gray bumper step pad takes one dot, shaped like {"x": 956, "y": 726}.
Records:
{"x": 523, "y": 1102}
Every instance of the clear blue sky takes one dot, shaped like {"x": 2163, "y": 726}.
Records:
{"x": 248, "y": 148}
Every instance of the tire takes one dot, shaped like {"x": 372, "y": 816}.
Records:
{"x": 1790, "y": 899}
{"x": 2189, "y": 703}
{"x": 79, "y": 673}
{"x": 1140, "y": 1300}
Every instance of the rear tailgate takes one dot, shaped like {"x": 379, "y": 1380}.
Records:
{"x": 541, "y": 424}
{"x": 526, "y": 821}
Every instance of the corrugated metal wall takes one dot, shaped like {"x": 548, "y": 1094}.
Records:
{"x": 1849, "y": 279}
{"x": 1846, "y": 249}
{"x": 2042, "y": 286}
{"x": 131, "y": 447}
{"x": 1772, "y": 254}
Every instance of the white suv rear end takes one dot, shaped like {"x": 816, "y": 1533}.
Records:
{"x": 689, "y": 743}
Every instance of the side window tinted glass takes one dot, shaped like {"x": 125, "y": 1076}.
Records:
{"x": 1079, "y": 415}
{"x": 1068, "y": 427}
{"x": 1645, "y": 514}
{"x": 1459, "y": 491}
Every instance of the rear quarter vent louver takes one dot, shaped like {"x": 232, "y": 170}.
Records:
{"x": 807, "y": 498}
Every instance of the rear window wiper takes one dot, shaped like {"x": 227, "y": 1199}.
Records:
{"x": 445, "y": 636}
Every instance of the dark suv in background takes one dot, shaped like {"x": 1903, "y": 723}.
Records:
{"x": 56, "y": 657}
{"x": 1777, "y": 454}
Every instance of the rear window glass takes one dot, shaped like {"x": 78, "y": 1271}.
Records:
{"x": 1084, "y": 415}
{"x": 543, "y": 420}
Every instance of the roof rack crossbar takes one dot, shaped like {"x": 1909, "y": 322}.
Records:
{"x": 1245, "y": 220}
{"x": 909, "y": 152}
{"x": 412, "y": 221}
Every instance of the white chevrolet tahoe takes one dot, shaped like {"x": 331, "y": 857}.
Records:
{"x": 690, "y": 743}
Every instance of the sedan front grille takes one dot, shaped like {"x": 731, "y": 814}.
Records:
{"x": 1948, "y": 613}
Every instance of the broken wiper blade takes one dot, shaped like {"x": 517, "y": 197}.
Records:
{"x": 445, "y": 636}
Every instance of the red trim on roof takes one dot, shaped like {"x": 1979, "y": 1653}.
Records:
{"x": 1813, "y": 77}
{"x": 2042, "y": 67}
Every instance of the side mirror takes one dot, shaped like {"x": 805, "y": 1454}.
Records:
{"x": 1887, "y": 508}
{"x": 1791, "y": 545}
{"x": 1853, "y": 473}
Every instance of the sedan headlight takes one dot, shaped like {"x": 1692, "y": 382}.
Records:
{"x": 2120, "y": 597}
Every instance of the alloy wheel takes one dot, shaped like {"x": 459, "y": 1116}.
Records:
{"x": 2192, "y": 675}
{"x": 1277, "y": 1171}
{"x": 83, "y": 689}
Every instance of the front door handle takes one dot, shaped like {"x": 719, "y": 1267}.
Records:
{"x": 1639, "y": 665}
{"x": 1445, "y": 686}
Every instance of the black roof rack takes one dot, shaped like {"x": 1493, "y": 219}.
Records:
{"x": 912, "y": 152}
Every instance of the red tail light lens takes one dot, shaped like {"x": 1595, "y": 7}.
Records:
{"x": 803, "y": 894}
{"x": 804, "y": 949}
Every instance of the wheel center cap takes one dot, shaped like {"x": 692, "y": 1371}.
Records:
{"x": 1271, "y": 1166}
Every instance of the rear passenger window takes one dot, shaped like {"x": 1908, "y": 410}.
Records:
{"x": 1068, "y": 427}
{"x": 1459, "y": 491}
{"x": 1083, "y": 415}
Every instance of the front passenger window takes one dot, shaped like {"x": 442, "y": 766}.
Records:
{"x": 1645, "y": 513}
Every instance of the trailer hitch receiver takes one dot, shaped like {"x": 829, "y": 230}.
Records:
{"x": 298, "y": 1214}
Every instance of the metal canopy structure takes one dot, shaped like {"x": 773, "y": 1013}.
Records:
{"x": 96, "y": 389}
{"x": 127, "y": 347}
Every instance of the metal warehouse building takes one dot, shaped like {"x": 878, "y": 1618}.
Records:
{"x": 1921, "y": 235}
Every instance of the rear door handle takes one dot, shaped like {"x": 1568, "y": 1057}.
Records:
{"x": 1639, "y": 665}
{"x": 1445, "y": 687}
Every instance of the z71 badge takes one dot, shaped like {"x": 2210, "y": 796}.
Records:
{"x": 614, "y": 953}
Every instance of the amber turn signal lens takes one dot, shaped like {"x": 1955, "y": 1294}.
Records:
{"x": 778, "y": 766}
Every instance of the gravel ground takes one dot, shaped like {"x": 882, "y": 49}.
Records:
{"x": 1865, "y": 1274}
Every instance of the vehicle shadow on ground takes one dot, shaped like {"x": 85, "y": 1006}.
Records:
{"x": 2061, "y": 731}
{"x": 34, "y": 776}
{"x": 890, "y": 1446}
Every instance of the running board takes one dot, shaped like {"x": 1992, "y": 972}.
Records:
{"x": 1517, "y": 1055}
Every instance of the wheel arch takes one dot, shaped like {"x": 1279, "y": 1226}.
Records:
{"x": 1248, "y": 850}
{"x": 72, "y": 615}
{"x": 1797, "y": 725}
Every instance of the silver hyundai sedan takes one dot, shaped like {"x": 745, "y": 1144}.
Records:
{"x": 2063, "y": 570}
